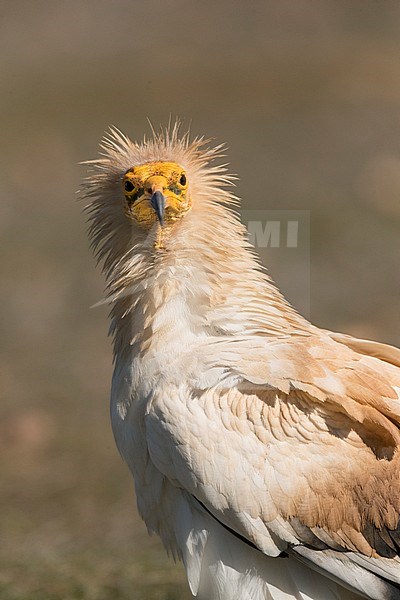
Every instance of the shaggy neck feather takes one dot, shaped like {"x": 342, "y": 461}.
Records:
{"x": 198, "y": 285}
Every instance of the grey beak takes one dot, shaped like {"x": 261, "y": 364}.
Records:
{"x": 158, "y": 203}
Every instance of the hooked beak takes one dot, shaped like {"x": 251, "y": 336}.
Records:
{"x": 157, "y": 201}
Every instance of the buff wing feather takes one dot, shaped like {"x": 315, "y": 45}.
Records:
{"x": 302, "y": 456}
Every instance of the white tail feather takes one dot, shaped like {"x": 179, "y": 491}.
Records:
{"x": 217, "y": 566}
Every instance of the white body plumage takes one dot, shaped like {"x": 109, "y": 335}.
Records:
{"x": 262, "y": 447}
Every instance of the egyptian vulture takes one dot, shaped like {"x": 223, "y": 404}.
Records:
{"x": 264, "y": 450}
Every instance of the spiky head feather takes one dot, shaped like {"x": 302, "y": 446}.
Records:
{"x": 111, "y": 233}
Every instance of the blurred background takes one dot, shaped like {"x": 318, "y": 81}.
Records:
{"x": 307, "y": 97}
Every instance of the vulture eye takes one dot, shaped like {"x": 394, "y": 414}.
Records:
{"x": 129, "y": 187}
{"x": 182, "y": 180}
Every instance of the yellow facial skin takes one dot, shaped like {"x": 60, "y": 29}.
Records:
{"x": 141, "y": 182}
